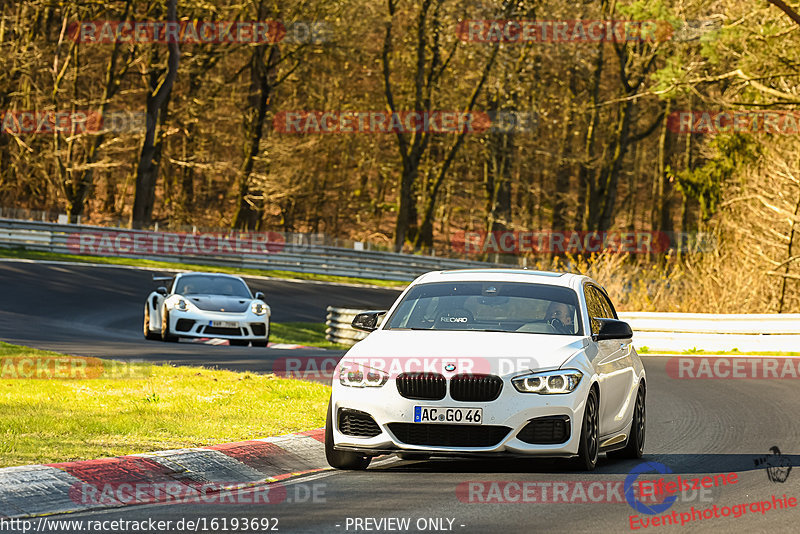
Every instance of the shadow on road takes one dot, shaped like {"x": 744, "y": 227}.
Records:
{"x": 678, "y": 463}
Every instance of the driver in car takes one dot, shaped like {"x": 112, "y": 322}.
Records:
{"x": 560, "y": 316}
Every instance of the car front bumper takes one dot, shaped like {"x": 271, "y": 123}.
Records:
{"x": 510, "y": 413}
{"x": 248, "y": 326}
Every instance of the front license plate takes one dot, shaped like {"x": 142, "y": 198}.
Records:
{"x": 440, "y": 414}
{"x": 224, "y": 324}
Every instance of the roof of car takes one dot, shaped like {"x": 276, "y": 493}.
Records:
{"x": 508, "y": 275}
{"x": 223, "y": 275}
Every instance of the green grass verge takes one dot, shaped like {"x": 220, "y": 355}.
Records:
{"x": 733, "y": 352}
{"x": 310, "y": 334}
{"x": 112, "y": 260}
{"x": 55, "y": 420}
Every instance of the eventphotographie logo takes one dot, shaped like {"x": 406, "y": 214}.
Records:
{"x": 634, "y": 501}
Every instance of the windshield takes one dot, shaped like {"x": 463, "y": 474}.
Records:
{"x": 211, "y": 285}
{"x": 489, "y": 306}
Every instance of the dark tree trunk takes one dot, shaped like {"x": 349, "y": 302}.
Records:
{"x": 561, "y": 196}
{"x": 406, "y": 225}
{"x": 78, "y": 188}
{"x": 187, "y": 175}
{"x": 661, "y": 219}
{"x": 688, "y": 216}
{"x": 610, "y": 182}
{"x": 497, "y": 176}
{"x": 586, "y": 173}
{"x": 497, "y": 182}
{"x": 789, "y": 256}
{"x": 263, "y": 77}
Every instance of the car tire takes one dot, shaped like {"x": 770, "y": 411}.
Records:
{"x": 589, "y": 447}
{"x": 260, "y": 343}
{"x": 165, "y": 335}
{"x": 149, "y": 334}
{"x": 635, "y": 446}
{"x": 264, "y": 343}
{"x": 341, "y": 459}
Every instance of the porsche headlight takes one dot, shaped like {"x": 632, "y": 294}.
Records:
{"x": 181, "y": 305}
{"x": 258, "y": 308}
{"x": 359, "y": 376}
{"x": 549, "y": 382}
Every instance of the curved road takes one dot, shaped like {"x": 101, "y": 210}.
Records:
{"x": 695, "y": 427}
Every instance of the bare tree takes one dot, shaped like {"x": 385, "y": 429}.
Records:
{"x": 160, "y": 84}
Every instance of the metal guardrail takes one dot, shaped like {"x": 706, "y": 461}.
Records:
{"x": 660, "y": 331}
{"x": 338, "y": 329}
{"x": 715, "y": 332}
{"x": 284, "y": 256}
{"x": 705, "y": 323}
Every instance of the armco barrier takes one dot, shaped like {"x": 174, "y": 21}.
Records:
{"x": 715, "y": 332}
{"x": 288, "y": 256}
{"x": 660, "y": 331}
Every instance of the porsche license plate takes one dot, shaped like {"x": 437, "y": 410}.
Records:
{"x": 224, "y": 324}
{"x": 441, "y": 414}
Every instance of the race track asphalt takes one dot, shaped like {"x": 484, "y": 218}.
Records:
{"x": 98, "y": 311}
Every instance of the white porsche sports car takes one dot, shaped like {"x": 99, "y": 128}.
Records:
{"x": 490, "y": 362}
{"x": 207, "y": 305}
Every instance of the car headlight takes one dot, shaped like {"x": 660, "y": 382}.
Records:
{"x": 182, "y": 305}
{"x": 549, "y": 382}
{"x": 359, "y": 376}
{"x": 258, "y": 308}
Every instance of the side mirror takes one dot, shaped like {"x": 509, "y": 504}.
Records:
{"x": 259, "y": 295}
{"x": 612, "y": 329}
{"x": 161, "y": 290}
{"x": 367, "y": 321}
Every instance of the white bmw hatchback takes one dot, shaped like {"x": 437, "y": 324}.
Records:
{"x": 490, "y": 363}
